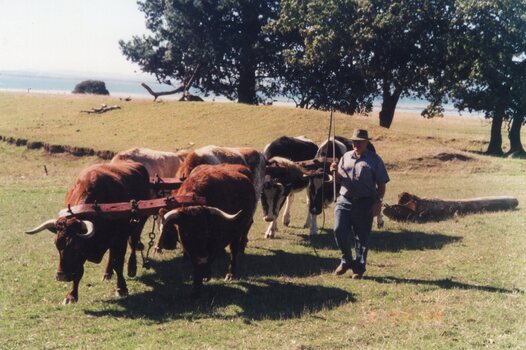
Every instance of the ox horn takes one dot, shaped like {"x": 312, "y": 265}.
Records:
{"x": 47, "y": 225}
{"x": 330, "y": 180}
{"x": 219, "y": 212}
{"x": 90, "y": 229}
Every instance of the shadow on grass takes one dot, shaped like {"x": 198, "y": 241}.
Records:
{"x": 254, "y": 299}
{"x": 387, "y": 241}
{"x": 445, "y": 283}
{"x": 391, "y": 241}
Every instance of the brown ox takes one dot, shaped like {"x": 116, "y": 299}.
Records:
{"x": 80, "y": 240}
{"x": 204, "y": 231}
{"x": 250, "y": 157}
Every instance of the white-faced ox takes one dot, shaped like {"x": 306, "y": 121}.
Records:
{"x": 204, "y": 231}
{"x": 321, "y": 187}
{"x": 213, "y": 155}
{"x": 78, "y": 241}
{"x": 279, "y": 188}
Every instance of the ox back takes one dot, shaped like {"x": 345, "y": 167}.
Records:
{"x": 293, "y": 148}
{"x": 250, "y": 157}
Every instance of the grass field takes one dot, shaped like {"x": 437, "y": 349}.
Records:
{"x": 455, "y": 284}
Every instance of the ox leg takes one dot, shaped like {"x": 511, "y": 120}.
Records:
{"x": 272, "y": 229}
{"x": 117, "y": 254}
{"x": 108, "y": 270}
{"x": 313, "y": 224}
{"x": 286, "y": 211}
{"x": 201, "y": 265}
{"x": 73, "y": 294}
{"x": 135, "y": 244}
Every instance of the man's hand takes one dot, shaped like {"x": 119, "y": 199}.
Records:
{"x": 377, "y": 207}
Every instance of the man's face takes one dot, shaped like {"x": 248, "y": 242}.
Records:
{"x": 360, "y": 145}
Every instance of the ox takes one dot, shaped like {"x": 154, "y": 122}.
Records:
{"x": 204, "y": 231}
{"x": 213, "y": 155}
{"x": 321, "y": 188}
{"x": 164, "y": 164}
{"x": 279, "y": 188}
{"x": 79, "y": 241}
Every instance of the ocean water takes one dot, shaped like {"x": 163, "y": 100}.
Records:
{"x": 131, "y": 87}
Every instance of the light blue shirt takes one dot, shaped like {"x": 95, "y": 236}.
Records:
{"x": 360, "y": 176}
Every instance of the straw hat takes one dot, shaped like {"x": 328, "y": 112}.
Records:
{"x": 360, "y": 135}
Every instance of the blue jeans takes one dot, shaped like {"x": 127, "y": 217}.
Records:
{"x": 353, "y": 221}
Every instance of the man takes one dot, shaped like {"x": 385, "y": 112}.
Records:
{"x": 363, "y": 176}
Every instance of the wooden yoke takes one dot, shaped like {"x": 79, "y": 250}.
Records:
{"x": 132, "y": 208}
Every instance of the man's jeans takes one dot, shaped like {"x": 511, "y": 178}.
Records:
{"x": 353, "y": 221}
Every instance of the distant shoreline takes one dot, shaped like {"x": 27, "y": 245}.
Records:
{"x": 123, "y": 86}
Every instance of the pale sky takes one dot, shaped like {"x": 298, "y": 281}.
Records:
{"x": 68, "y": 35}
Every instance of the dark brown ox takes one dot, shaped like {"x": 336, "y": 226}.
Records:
{"x": 250, "y": 157}
{"x": 204, "y": 231}
{"x": 79, "y": 241}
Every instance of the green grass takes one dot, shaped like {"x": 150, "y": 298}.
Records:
{"x": 452, "y": 284}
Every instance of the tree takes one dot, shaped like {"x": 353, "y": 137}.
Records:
{"x": 484, "y": 72}
{"x": 313, "y": 70}
{"x": 370, "y": 47}
{"x": 96, "y": 87}
{"x": 402, "y": 46}
{"x": 218, "y": 43}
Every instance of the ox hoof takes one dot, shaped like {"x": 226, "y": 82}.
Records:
{"x": 121, "y": 292}
{"x": 69, "y": 300}
{"x": 229, "y": 277}
{"x": 306, "y": 226}
{"x": 132, "y": 271}
{"x": 107, "y": 277}
{"x": 380, "y": 225}
{"x": 157, "y": 250}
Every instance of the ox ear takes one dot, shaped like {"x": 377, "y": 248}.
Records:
{"x": 50, "y": 225}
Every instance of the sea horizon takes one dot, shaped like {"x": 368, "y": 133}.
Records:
{"x": 123, "y": 86}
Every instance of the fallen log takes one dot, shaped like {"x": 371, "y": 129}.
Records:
{"x": 416, "y": 209}
{"x": 102, "y": 109}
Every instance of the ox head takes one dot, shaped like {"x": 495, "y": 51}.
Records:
{"x": 320, "y": 190}
{"x": 275, "y": 192}
{"x": 192, "y": 226}
{"x": 71, "y": 238}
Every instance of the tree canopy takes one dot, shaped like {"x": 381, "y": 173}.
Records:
{"x": 218, "y": 45}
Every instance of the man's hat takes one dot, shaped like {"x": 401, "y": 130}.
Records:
{"x": 360, "y": 135}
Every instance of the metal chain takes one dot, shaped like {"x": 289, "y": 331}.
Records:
{"x": 151, "y": 235}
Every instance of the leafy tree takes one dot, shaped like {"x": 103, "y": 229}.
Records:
{"x": 484, "y": 74}
{"x": 314, "y": 71}
{"x": 368, "y": 47}
{"x": 402, "y": 45}
{"x": 217, "y": 46}
{"x": 96, "y": 87}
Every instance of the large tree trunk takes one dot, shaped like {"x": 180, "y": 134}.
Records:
{"x": 389, "y": 102}
{"x": 413, "y": 208}
{"x": 246, "y": 90}
{"x": 515, "y": 136}
{"x": 495, "y": 142}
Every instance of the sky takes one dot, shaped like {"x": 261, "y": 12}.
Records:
{"x": 68, "y": 36}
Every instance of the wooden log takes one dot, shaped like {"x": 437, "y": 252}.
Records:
{"x": 414, "y": 208}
